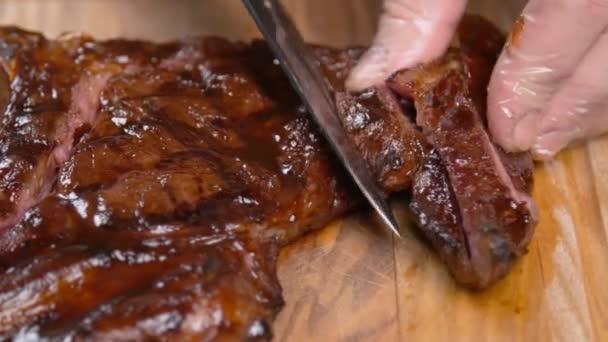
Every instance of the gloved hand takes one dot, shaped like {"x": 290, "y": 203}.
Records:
{"x": 550, "y": 85}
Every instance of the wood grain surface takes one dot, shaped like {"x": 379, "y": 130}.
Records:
{"x": 350, "y": 282}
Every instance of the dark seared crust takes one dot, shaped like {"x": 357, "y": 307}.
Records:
{"x": 156, "y": 182}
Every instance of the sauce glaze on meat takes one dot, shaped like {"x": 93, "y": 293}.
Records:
{"x": 146, "y": 188}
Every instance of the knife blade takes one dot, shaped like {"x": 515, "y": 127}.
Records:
{"x": 300, "y": 66}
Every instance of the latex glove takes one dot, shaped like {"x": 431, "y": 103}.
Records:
{"x": 550, "y": 85}
{"x": 409, "y": 32}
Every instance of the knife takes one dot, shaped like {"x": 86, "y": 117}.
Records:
{"x": 300, "y": 66}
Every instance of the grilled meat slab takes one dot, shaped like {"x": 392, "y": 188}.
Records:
{"x": 166, "y": 215}
{"x": 147, "y": 188}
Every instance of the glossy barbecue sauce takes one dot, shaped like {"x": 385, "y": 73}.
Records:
{"x": 170, "y": 176}
{"x": 154, "y": 183}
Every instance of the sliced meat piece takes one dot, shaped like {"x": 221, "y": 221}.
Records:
{"x": 389, "y": 142}
{"x": 489, "y": 187}
{"x": 496, "y": 217}
{"x": 435, "y": 209}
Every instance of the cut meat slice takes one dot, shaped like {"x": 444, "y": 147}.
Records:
{"x": 388, "y": 141}
{"x": 486, "y": 186}
{"x": 436, "y": 212}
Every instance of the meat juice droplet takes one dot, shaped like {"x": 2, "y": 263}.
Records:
{"x": 81, "y": 207}
{"x": 119, "y": 121}
{"x": 246, "y": 200}
{"x": 462, "y": 162}
{"x": 122, "y": 59}
{"x": 423, "y": 219}
{"x": 102, "y": 217}
{"x": 358, "y": 117}
{"x": 258, "y": 329}
{"x": 286, "y": 168}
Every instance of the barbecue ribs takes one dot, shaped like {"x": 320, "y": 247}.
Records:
{"x": 146, "y": 188}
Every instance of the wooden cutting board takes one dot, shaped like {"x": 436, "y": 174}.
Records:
{"x": 349, "y": 282}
